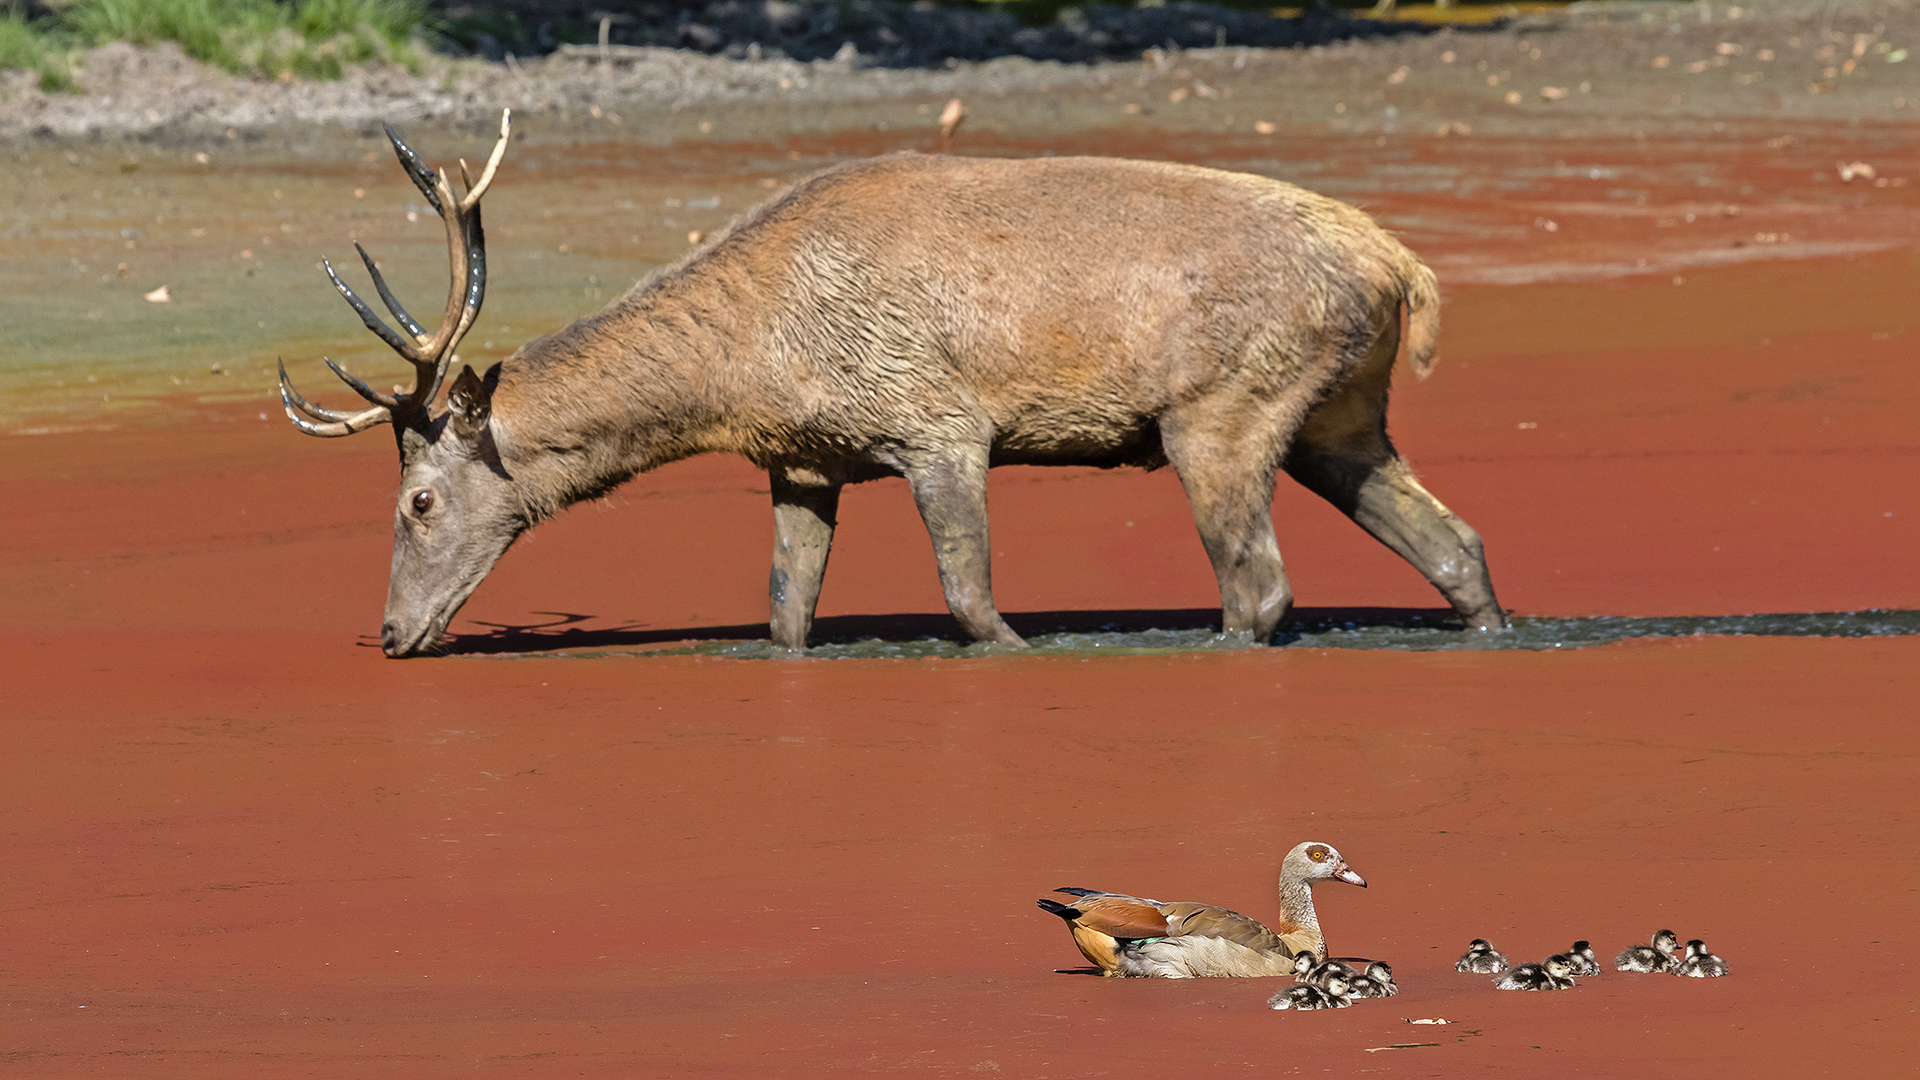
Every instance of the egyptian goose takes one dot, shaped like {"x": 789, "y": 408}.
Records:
{"x": 1129, "y": 936}
{"x": 1582, "y": 960}
{"x": 1307, "y": 997}
{"x": 1481, "y": 959}
{"x": 1553, "y": 973}
{"x": 1649, "y": 958}
{"x": 1698, "y": 963}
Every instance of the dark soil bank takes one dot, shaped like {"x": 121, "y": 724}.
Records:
{"x": 892, "y": 34}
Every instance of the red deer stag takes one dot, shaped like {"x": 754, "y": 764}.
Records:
{"x": 931, "y": 317}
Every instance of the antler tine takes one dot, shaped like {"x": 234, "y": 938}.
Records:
{"x": 374, "y": 397}
{"x": 408, "y": 349}
{"x": 292, "y": 399}
{"x": 417, "y": 170}
{"x": 476, "y": 284}
{"x": 467, "y": 263}
{"x": 475, "y": 190}
{"x": 407, "y": 322}
{"x": 334, "y": 424}
{"x": 459, "y": 265}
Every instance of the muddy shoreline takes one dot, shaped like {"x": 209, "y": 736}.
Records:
{"x": 1790, "y": 60}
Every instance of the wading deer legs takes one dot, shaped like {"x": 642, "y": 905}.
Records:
{"x": 803, "y": 521}
{"x": 950, "y": 488}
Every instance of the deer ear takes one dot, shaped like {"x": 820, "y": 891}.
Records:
{"x": 470, "y": 402}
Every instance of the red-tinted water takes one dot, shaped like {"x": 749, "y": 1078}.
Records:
{"x": 243, "y": 844}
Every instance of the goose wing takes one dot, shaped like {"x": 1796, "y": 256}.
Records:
{"x": 1113, "y": 914}
{"x": 1206, "y": 920}
{"x": 1099, "y": 921}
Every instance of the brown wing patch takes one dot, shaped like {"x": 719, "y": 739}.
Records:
{"x": 1205, "y": 920}
{"x": 1120, "y": 917}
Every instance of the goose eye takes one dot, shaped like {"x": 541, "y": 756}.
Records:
{"x": 422, "y": 502}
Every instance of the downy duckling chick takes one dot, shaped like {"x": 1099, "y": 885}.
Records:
{"x": 1698, "y": 963}
{"x": 1647, "y": 959}
{"x": 1303, "y": 966}
{"x": 1481, "y": 959}
{"x": 1329, "y": 969}
{"x": 1376, "y": 981}
{"x": 1306, "y": 997}
{"x": 1582, "y": 959}
{"x": 1553, "y": 973}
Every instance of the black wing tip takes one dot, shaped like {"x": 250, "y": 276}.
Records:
{"x": 1056, "y": 908}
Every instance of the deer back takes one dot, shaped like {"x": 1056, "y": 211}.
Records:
{"x": 895, "y": 305}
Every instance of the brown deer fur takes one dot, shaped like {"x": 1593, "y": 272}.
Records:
{"x": 931, "y": 317}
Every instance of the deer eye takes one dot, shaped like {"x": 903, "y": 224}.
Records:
{"x": 422, "y": 502}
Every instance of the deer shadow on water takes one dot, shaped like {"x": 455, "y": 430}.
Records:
{"x": 570, "y": 631}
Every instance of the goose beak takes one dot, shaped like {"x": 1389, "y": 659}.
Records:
{"x": 1345, "y": 873}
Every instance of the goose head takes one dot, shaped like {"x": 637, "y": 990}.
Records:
{"x": 1314, "y": 861}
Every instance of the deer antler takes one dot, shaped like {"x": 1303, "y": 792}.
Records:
{"x": 430, "y": 354}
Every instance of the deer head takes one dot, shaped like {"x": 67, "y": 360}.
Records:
{"x": 457, "y": 510}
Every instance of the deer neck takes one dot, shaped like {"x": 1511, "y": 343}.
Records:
{"x": 613, "y": 395}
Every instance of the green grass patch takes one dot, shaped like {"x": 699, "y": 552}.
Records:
{"x": 28, "y": 46}
{"x": 311, "y": 38}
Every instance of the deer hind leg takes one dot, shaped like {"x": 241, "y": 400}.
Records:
{"x": 1226, "y": 463}
{"x": 803, "y": 521}
{"x": 950, "y": 488}
{"x": 1343, "y": 455}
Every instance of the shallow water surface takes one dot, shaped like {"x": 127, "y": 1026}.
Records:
{"x": 1405, "y": 631}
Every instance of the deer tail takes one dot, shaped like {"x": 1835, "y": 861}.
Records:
{"x": 1423, "y": 316}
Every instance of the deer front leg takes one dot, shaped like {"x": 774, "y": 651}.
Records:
{"x": 950, "y": 488}
{"x": 803, "y": 521}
